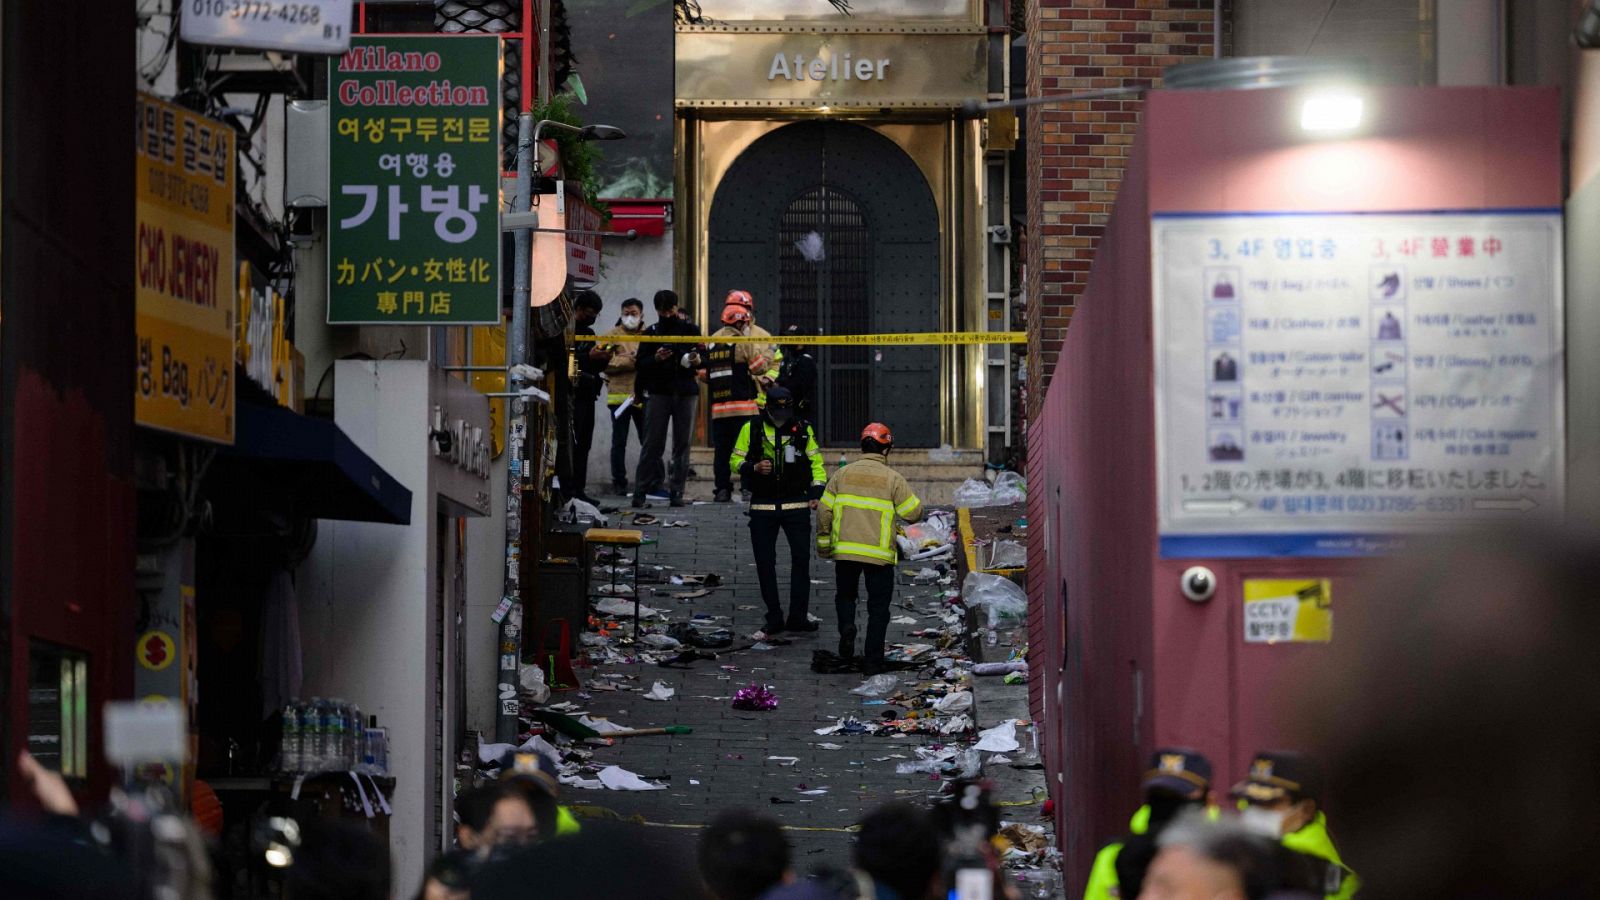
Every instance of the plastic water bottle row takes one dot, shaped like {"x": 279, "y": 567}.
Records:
{"x": 331, "y": 736}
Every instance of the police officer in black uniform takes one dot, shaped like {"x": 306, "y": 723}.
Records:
{"x": 777, "y": 457}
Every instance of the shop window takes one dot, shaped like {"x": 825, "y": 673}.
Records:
{"x": 58, "y": 708}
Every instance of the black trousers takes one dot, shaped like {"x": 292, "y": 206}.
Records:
{"x": 619, "y": 439}
{"x": 660, "y": 411}
{"x": 724, "y": 434}
{"x": 796, "y": 526}
{"x": 582, "y": 440}
{"x": 880, "y": 590}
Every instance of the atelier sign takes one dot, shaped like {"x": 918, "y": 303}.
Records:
{"x": 722, "y": 68}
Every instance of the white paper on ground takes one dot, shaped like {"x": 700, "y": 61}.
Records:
{"x": 784, "y": 760}
{"x": 830, "y": 746}
{"x": 604, "y": 726}
{"x": 815, "y": 792}
{"x": 903, "y": 620}
{"x": 619, "y": 779}
{"x": 613, "y": 606}
{"x": 589, "y": 784}
{"x": 660, "y": 691}
{"x": 1001, "y": 738}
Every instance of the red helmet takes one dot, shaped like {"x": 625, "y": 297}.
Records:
{"x": 878, "y": 433}
{"x": 741, "y": 298}
{"x": 735, "y": 315}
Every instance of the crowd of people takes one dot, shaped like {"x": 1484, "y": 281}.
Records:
{"x": 652, "y": 388}
{"x": 761, "y": 402}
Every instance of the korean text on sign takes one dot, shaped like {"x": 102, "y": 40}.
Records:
{"x": 414, "y": 181}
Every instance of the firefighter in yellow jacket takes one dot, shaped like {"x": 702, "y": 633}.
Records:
{"x": 855, "y": 527}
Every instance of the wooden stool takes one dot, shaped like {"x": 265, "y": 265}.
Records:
{"x": 616, "y": 539}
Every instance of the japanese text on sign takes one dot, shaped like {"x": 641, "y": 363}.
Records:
{"x": 414, "y": 166}
{"x": 1322, "y": 379}
{"x": 184, "y": 302}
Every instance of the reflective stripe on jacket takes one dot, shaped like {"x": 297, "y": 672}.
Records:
{"x": 855, "y": 520}
{"x": 730, "y": 375}
{"x": 787, "y": 480}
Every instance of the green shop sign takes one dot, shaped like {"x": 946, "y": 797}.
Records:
{"x": 414, "y": 181}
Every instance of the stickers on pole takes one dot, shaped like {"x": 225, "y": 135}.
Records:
{"x": 1326, "y": 383}
{"x": 1287, "y": 610}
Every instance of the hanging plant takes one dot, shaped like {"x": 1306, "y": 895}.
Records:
{"x": 580, "y": 160}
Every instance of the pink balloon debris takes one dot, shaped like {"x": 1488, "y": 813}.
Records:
{"x": 755, "y": 696}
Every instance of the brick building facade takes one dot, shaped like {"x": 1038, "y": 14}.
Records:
{"x": 1077, "y": 151}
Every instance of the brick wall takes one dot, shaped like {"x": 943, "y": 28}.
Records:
{"x": 1076, "y": 151}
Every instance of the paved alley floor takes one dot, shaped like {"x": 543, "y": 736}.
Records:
{"x": 726, "y": 761}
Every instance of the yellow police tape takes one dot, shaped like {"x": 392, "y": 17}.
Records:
{"x": 922, "y": 338}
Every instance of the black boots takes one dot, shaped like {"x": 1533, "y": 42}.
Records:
{"x": 847, "y": 642}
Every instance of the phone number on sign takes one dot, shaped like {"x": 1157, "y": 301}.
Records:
{"x": 258, "y": 10}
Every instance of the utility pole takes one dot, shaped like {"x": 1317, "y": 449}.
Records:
{"x": 517, "y": 464}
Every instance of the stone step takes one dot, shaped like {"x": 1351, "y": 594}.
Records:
{"x": 934, "y": 480}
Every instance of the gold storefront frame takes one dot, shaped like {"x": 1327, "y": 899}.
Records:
{"x": 946, "y": 149}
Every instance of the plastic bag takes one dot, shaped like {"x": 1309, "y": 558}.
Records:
{"x": 1008, "y": 555}
{"x": 1010, "y": 487}
{"x": 932, "y": 532}
{"x": 531, "y": 680}
{"x": 960, "y": 701}
{"x": 1001, "y": 595}
{"x": 577, "y": 510}
{"x": 973, "y": 493}
{"x": 876, "y": 686}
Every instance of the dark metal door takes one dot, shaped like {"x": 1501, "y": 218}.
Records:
{"x": 833, "y": 227}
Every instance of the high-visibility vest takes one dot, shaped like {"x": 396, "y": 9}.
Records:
{"x": 855, "y": 519}
{"x": 1314, "y": 840}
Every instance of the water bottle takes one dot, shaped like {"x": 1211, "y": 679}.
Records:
{"x": 289, "y": 746}
{"x": 314, "y": 731}
{"x": 841, "y": 460}
{"x": 357, "y": 736}
{"x": 333, "y": 736}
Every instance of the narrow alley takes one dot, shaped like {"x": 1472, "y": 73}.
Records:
{"x": 773, "y": 761}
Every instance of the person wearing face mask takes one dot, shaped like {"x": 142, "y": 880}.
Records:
{"x": 620, "y": 377}
{"x": 1178, "y": 781}
{"x": 1281, "y": 799}
{"x": 730, "y": 375}
{"x": 776, "y": 454}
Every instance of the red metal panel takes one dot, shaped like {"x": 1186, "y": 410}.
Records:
{"x": 1142, "y": 666}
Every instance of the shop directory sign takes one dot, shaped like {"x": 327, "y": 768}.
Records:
{"x": 1327, "y": 382}
{"x": 414, "y": 181}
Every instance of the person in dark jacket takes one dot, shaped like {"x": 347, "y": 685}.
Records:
{"x": 667, "y": 377}
{"x": 776, "y": 455}
{"x": 799, "y": 375}
{"x": 589, "y": 361}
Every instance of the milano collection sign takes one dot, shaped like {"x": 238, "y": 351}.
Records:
{"x": 414, "y": 172}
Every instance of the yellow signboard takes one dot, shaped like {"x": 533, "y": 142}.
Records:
{"x": 1288, "y": 610}
{"x": 185, "y": 301}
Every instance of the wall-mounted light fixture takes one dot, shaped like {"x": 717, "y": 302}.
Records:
{"x": 1332, "y": 110}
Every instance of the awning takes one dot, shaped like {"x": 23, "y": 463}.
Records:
{"x": 309, "y": 467}
{"x": 649, "y": 216}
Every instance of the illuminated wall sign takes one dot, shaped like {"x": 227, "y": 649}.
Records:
{"x": 1327, "y": 381}
{"x": 733, "y": 68}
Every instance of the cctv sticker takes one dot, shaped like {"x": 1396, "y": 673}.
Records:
{"x": 1287, "y": 611}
